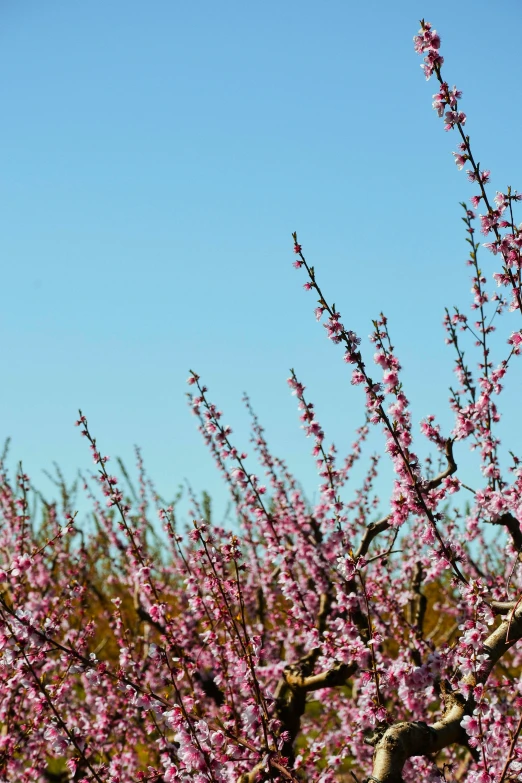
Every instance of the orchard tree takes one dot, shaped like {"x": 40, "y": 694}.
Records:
{"x": 312, "y": 643}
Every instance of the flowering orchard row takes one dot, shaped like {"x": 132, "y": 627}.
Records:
{"x": 317, "y": 643}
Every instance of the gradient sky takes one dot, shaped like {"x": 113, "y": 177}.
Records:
{"x": 156, "y": 157}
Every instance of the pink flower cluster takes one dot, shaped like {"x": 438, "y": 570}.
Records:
{"x": 505, "y": 237}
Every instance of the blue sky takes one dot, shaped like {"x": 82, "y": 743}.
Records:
{"x": 157, "y": 157}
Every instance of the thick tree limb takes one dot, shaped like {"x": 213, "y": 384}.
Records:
{"x": 329, "y": 678}
{"x": 404, "y": 740}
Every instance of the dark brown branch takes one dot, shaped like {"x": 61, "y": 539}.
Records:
{"x": 56, "y": 777}
{"x": 373, "y": 530}
{"x": 450, "y": 470}
{"x": 512, "y": 525}
{"x": 418, "y": 605}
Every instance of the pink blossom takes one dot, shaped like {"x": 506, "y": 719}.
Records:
{"x": 471, "y": 725}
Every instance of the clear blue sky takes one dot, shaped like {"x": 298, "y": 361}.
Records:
{"x": 156, "y": 158}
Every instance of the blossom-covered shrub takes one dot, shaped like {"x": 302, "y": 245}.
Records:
{"x": 310, "y": 643}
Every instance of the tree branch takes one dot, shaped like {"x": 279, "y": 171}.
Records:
{"x": 416, "y": 738}
{"x": 374, "y": 528}
{"x": 513, "y": 527}
{"x": 450, "y": 470}
{"x": 329, "y": 678}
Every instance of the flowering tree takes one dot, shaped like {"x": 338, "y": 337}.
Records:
{"x": 310, "y": 644}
